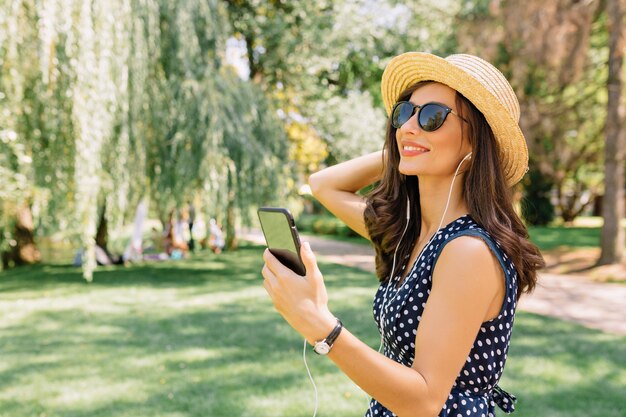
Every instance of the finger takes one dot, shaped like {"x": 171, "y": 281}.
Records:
{"x": 268, "y": 255}
{"x": 268, "y": 287}
{"x": 270, "y": 291}
{"x": 308, "y": 257}
{"x": 269, "y": 281}
{"x": 278, "y": 269}
{"x": 268, "y": 275}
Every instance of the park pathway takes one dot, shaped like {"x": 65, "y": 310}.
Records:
{"x": 568, "y": 297}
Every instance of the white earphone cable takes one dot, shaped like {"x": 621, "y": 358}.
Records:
{"x": 311, "y": 378}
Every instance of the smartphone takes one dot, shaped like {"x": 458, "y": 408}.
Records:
{"x": 282, "y": 237}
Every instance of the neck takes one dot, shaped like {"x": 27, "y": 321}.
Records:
{"x": 433, "y": 198}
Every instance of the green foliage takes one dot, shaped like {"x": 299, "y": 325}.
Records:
{"x": 323, "y": 60}
{"x": 351, "y": 125}
{"x": 559, "y": 75}
{"x": 105, "y": 103}
{"x": 537, "y": 209}
{"x": 282, "y": 37}
{"x": 323, "y": 224}
{"x": 567, "y": 138}
{"x": 13, "y": 165}
{"x": 472, "y": 9}
{"x": 110, "y": 102}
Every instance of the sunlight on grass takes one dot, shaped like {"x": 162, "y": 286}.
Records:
{"x": 201, "y": 338}
{"x": 585, "y": 233}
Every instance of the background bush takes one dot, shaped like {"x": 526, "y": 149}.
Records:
{"x": 323, "y": 224}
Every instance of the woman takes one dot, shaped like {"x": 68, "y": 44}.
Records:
{"x": 447, "y": 297}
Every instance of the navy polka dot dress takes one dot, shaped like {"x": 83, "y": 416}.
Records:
{"x": 475, "y": 391}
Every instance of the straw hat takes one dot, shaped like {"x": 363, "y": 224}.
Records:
{"x": 481, "y": 83}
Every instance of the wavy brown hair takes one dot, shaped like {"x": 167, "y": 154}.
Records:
{"x": 489, "y": 200}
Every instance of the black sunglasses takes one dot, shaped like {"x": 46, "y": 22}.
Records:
{"x": 430, "y": 116}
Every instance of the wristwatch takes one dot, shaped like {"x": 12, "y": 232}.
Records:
{"x": 322, "y": 347}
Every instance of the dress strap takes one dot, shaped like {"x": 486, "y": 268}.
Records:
{"x": 503, "y": 399}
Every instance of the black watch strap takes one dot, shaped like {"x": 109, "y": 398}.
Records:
{"x": 330, "y": 340}
{"x": 322, "y": 347}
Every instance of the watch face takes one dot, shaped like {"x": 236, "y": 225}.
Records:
{"x": 322, "y": 348}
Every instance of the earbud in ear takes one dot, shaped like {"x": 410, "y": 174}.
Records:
{"x": 468, "y": 156}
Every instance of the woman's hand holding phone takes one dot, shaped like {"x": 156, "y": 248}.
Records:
{"x": 303, "y": 303}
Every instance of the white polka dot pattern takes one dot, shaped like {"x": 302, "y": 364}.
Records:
{"x": 475, "y": 392}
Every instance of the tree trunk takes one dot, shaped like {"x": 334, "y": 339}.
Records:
{"x": 231, "y": 231}
{"x": 102, "y": 234}
{"x": 25, "y": 251}
{"x": 613, "y": 203}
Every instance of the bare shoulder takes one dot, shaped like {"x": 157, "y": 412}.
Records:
{"x": 469, "y": 258}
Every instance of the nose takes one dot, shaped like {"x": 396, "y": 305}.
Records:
{"x": 411, "y": 125}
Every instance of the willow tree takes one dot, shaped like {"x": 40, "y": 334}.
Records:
{"x": 206, "y": 132}
{"x": 14, "y": 161}
{"x": 30, "y": 103}
{"x": 13, "y": 190}
{"x": 114, "y": 101}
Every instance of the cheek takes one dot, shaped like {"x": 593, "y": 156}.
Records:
{"x": 443, "y": 145}
{"x": 449, "y": 140}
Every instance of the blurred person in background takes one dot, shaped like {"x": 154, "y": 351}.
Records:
{"x": 216, "y": 237}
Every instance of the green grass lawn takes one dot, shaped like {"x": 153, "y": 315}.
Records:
{"x": 545, "y": 237}
{"x": 584, "y": 234}
{"x": 201, "y": 338}
{"x": 551, "y": 237}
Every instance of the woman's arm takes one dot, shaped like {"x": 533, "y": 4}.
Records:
{"x": 336, "y": 186}
{"x": 466, "y": 282}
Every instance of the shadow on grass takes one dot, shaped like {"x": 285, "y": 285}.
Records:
{"x": 557, "y": 368}
{"x": 201, "y": 269}
{"x": 246, "y": 351}
{"x": 201, "y": 338}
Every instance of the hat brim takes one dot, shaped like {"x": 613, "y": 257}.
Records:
{"x": 412, "y": 67}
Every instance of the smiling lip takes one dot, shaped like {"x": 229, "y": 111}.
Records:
{"x": 412, "y": 149}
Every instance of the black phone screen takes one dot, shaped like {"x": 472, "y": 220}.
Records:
{"x": 282, "y": 237}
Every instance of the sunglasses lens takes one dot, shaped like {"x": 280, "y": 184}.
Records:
{"x": 432, "y": 117}
{"x": 401, "y": 113}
